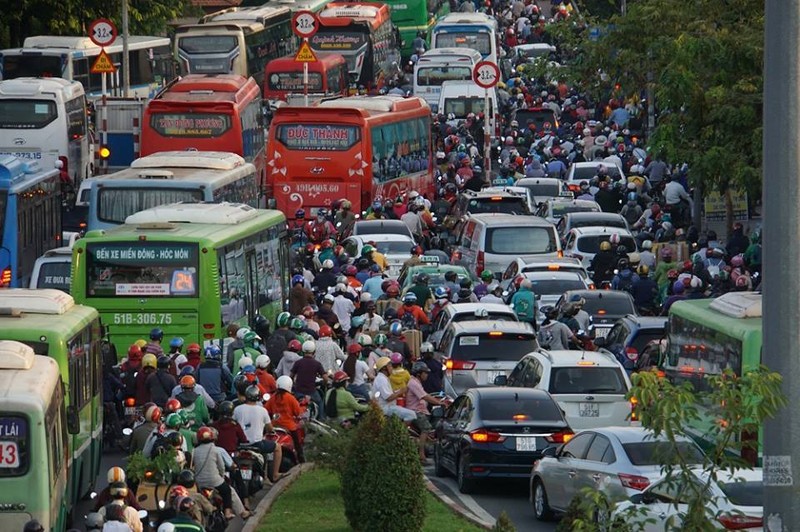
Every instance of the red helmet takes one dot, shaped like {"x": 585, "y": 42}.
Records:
{"x": 193, "y": 348}
{"x": 187, "y": 381}
{"x": 325, "y": 331}
{"x": 326, "y": 244}
{"x": 308, "y": 311}
{"x": 172, "y": 405}
{"x": 153, "y": 414}
{"x": 205, "y": 435}
{"x": 134, "y": 353}
{"x": 393, "y": 289}
{"x": 296, "y": 346}
{"x": 354, "y": 349}
{"x": 350, "y": 270}
{"x": 672, "y": 274}
{"x": 340, "y": 376}
{"x": 687, "y": 265}
{"x": 338, "y": 250}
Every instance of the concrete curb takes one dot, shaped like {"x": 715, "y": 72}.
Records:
{"x": 455, "y": 507}
{"x": 269, "y": 499}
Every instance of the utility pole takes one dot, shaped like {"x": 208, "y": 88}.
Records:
{"x": 126, "y": 64}
{"x": 781, "y": 291}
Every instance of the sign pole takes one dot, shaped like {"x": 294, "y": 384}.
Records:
{"x": 487, "y": 139}
{"x": 486, "y": 75}
{"x": 305, "y": 78}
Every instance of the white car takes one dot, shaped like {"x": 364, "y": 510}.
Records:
{"x": 737, "y": 502}
{"x": 589, "y": 386}
{"x": 380, "y": 227}
{"x": 457, "y": 312}
{"x": 586, "y": 170}
{"x": 395, "y": 247}
{"x": 53, "y": 269}
{"x": 554, "y": 209}
{"x": 583, "y": 243}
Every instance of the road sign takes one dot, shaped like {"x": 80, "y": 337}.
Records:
{"x": 305, "y": 24}
{"x": 102, "y": 32}
{"x": 486, "y": 74}
{"x": 305, "y": 54}
{"x": 103, "y": 64}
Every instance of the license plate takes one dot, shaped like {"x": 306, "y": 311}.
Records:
{"x": 247, "y": 474}
{"x": 269, "y": 457}
{"x": 490, "y": 376}
{"x": 526, "y": 443}
{"x": 130, "y": 411}
{"x": 601, "y": 333}
{"x": 588, "y": 410}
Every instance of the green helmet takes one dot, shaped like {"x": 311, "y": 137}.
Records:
{"x": 487, "y": 275}
{"x": 364, "y": 340}
{"x": 185, "y": 416}
{"x": 380, "y": 340}
{"x": 173, "y": 421}
{"x": 283, "y": 319}
{"x": 304, "y": 337}
{"x": 461, "y": 148}
{"x": 367, "y": 250}
{"x": 296, "y": 324}
{"x": 250, "y": 338}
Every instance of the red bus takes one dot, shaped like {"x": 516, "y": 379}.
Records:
{"x": 208, "y": 113}
{"x": 357, "y": 148}
{"x": 327, "y": 76}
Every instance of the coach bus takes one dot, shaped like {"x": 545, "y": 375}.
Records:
{"x": 190, "y": 269}
{"x": 30, "y": 217}
{"x": 364, "y": 34}
{"x": 50, "y": 56}
{"x": 327, "y": 76}
{"x": 413, "y": 17}
{"x": 315, "y": 6}
{"x": 236, "y": 41}
{"x": 171, "y": 177}
{"x": 208, "y": 113}
{"x": 358, "y": 148}
{"x": 45, "y": 120}
{"x": 33, "y": 450}
{"x": 706, "y": 337}
{"x": 50, "y": 322}
{"x": 467, "y": 30}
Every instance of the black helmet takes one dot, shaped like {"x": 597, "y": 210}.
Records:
{"x": 163, "y": 362}
{"x": 260, "y": 321}
{"x": 390, "y": 314}
{"x": 465, "y": 283}
{"x": 225, "y": 408}
{"x": 156, "y": 334}
{"x": 240, "y": 383}
{"x": 175, "y": 439}
{"x": 622, "y": 250}
{"x": 550, "y": 312}
{"x": 362, "y": 263}
{"x": 450, "y": 275}
{"x": 423, "y": 278}
{"x": 186, "y": 478}
{"x": 252, "y": 393}
{"x": 33, "y": 526}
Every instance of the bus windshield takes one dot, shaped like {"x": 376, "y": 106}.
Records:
{"x": 480, "y": 41}
{"x": 208, "y": 44}
{"x": 436, "y": 75}
{"x": 136, "y": 269}
{"x": 26, "y": 114}
{"x": 116, "y": 204}
{"x": 14, "y": 446}
{"x": 318, "y": 137}
{"x": 347, "y": 43}
{"x": 31, "y": 66}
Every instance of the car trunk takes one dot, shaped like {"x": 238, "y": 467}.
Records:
{"x": 591, "y": 410}
{"x": 525, "y": 438}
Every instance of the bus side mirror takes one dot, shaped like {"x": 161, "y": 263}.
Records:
{"x": 73, "y": 421}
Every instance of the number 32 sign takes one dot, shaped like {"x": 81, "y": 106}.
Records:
{"x": 486, "y": 74}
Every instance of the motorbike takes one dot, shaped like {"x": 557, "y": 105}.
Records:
{"x": 283, "y": 438}
{"x": 216, "y": 522}
{"x": 250, "y": 463}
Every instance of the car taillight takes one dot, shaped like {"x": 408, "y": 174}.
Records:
{"x": 634, "y": 482}
{"x": 5, "y": 277}
{"x": 560, "y": 437}
{"x": 740, "y": 521}
{"x": 452, "y": 364}
{"x": 634, "y": 415}
{"x": 486, "y": 436}
{"x": 481, "y": 264}
{"x": 130, "y": 401}
{"x": 632, "y": 353}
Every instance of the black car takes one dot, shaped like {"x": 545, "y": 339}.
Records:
{"x": 496, "y": 433}
{"x": 629, "y": 336}
{"x": 604, "y": 307}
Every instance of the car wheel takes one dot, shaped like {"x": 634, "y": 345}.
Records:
{"x": 540, "y": 505}
{"x": 438, "y": 468}
{"x": 465, "y": 485}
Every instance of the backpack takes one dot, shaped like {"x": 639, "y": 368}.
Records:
{"x": 546, "y": 337}
{"x": 408, "y": 321}
{"x": 625, "y": 283}
{"x": 115, "y": 519}
{"x": 522, "y": 307}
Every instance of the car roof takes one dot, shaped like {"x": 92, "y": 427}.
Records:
{"x": 509, "y": 391}
{"x": 581, "y": 202}
{"x": 485, "y": 326}
{"x": 597, "y": 294}
{"x": 488, "y": 193}
{"x": 513, "y": 220}
{"x": 560, "y": 358}
{"x": 600, "y": 230}
{"x": 561, "y": 261}
{"x": 594, "y": 164}
{"x": 384, "y": 237}
{"x": 647, "y": 322}
{"x": 464, "y": 308}
{"x": 436, "y": 268}
{"x": 595, "y": 215}
{"x": 380, "y": 223}
{"x": 538, "y": 181}
{"x": 63, "y": 251}
{"x": 631, "y": 434}
{"x": 553, "y": 274}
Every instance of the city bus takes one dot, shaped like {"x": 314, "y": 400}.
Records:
{"x": 33, "y": 440}
{"x": 414, "y": 16}
{"x": 706, "y": 337}
{"x": 50, "y": 322}
{"x": 236, "y": 41}
{"x": 51, "y": 56}
{"x": 191, "y": 269}
{"x": 45, "y": 120}
{"x": 30, "y": 217}
{"x": 467, "y": 30}
{"x": 327, "y": 76}
{"x": 171, "y": 177}
{"x": 315, "y": 6}
{"x": 364, "y": 34}
{"x": 208, "y": 113}
{"x": 357, "y": 148}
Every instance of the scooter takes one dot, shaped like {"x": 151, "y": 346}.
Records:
{"x": 250, "y": 463}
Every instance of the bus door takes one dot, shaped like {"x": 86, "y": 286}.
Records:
{"x": 251, "y": 298}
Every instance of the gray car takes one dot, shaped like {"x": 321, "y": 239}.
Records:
{"x": 619, "y": 461}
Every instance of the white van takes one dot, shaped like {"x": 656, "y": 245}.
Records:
{"x": 436, "y": 66}
{"x": 460, "y": 98}
{"x": 53, "y": 269}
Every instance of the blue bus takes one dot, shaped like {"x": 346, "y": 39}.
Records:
{"x": 30, "y": 217}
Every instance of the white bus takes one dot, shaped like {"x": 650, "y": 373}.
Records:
{"x": 171, "y": 177}
{"x": 236, "y": 41}
{"x": 45, "y": 120}
{"x": 438, "y": 65}
{"x": 467, "y": 30}
{"x": 45, "y": 56}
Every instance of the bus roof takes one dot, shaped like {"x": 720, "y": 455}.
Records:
{"x": 700, "y": 311}
{"x": 194, "y": 213}
{"x": 440, "y": 55}
{"x": 37, "y": 87}
{"x": 261, "y": 14}
{"x": 36, "y": 325}
{"x": 24, "y": 376}
{"x": 206, "y": 88}
{"x": 341, "y": 14}
{"x": 80, "y": 46}
{"x": 376, "y": 104}
{"x": 43, "y": 301}
{"x": 19, "y": 174}
{"x": 171, "y": 169}
{"x": 466, "y": 19}
{"x": 212, "y": 160}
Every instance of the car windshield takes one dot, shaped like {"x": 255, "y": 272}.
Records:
{"x": 546, "y": 190}
{"x": 549, "y": 287}
{"x": 501, "y": 205}
{"x": 744, "y": 493}
{"x": 380, "y": 228}
{"x": 521, "y": 240}
{"x": 588, "y": 172}
{"x": 587, "y": 379}
{"x": 614, "y": 306}
{"x": 603, "y": 222}
{"x": 512, "y": 407}
{"x": 394, "y": 246}
{"x": 493, "y": 346}
{"x": 650, "y": 453}
{"x": 591, "y": 243}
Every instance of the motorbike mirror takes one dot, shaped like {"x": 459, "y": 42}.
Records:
{"x": 265, "y": 397}
{"x": 127, "y": 431}
{"x": 276, "y": 417}
{"x": 162, "y": 505}
{"x": 143, "y": 513}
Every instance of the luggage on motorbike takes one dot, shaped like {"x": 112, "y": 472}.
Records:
{"x": 414, "y": 341}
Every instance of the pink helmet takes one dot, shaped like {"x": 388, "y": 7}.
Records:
{"x": 737, "y": 261}
{"x": 396, "y": 359}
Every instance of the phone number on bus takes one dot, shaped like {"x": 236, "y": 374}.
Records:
{"x": 142, "y": 318}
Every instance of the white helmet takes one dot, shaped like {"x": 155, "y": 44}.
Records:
{"x": 309, "y": 346}
{"x": 244, "y": 362}
{"x": 241, "y": 332}
{"x": 327, "y": 264}
{"x": 426, "y": 347}
{"x": 284, "y": 382}
{"x": 647, "y": 244}
{"x": 166, "y": 527}
{"x": 262, "y": 361}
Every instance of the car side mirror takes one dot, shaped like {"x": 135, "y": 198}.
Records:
{"x": 500, "y": 380}
{"x": 600, "y": 342}
{"x": 73, "y": 420}
{"x": 648, "y": 498}
{"x": 437, "y": 412}
{"x": 551, "y": 452}
{"x": 637, "y": 498}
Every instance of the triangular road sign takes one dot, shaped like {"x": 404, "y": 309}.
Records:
{"x": 305, "y": 54}
{"x": 103, "y": 64}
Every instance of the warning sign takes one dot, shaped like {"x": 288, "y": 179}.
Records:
{"x": 103, "y": 64}
{"x": 304, "y": 54}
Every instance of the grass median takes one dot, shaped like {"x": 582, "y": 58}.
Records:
{"x": 314, "y": 502}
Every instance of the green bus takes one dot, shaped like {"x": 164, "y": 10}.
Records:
{"x": 52, "y": 324}
{"x": 413, "y": 16}
{"x": 708, "y": 336}
{"x": 34, "y": 444}
{"x": 189, "y": 269}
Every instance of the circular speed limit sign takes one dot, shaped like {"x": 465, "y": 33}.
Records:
{"x": 102, "y": 32}
{"x": 486, "y": 74}
{"x": 305, "y": 24}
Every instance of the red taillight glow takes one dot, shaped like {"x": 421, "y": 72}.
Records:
{"x": 634, "y": 482}
{"x": 130, "y": 401}
{"x": 486, "y": 436}
{"x": 208, "y": 326}
{"x": 560, "y": 437}
{"x": 452, "y": 364}
{"x": 5, "y": 277}
{"x": 740, "y": 521}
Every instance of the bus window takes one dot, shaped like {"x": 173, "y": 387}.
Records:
{"x": 117, "y": 203}
{"x": 80, "y": 368}
{"x": 76, "y": 118}
{"x": 232, "y": 285}
{"x": 14, "y": 445}
{"x": 26, "y": 114}
{"x": 31, "y": 66}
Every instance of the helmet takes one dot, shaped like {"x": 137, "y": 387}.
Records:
{"x": 441, "y": 292}
{"x": 465, "y": 283}
{"x": 325, "y": 331}
{"x": 225, "y": 408}
{"x": 622, "y": 250}
{"x": 423, "y": 278}
{"x": 182, "y": 504}
{"x": 300, "y": 213}
{"x": 623, "y": 264}
{"x": 487, "y": 275}
{"x": 295, "y": 345}
{"x": 346, "y": 205}
{"x": 150, "y": 361}
{"x": 283, "y": 318}
{"x": 205, "y": 435}
{"x": 350, "y": 270}
{"x": 152, "y": 414}
{"x": 156, "y": 334}
{"x": 298, "y": 279}
{"x": 241, "y": 332}
{"x": 666, "y": 253}
{"x": 420, "y": 367}
{"x": 410, "y": 298}
{"x": 426, "y": 347}
{"x": 162, "y": 362}
{"x": 176, "y": 342}
{"x": 173, "y": 421}
{"x": 140, "y": 343}
{"x": 737, "y": 261}
{"x": 678, "y": 287}
{"x": 186, "y": 478}
{"x": 187, "y": 381}
{"x": 252, "y": 393}
{"x": 213, "y": 352}
{"x": 382, "y": 362}
{"x": 135, "y": 353}
{"x": 241, "y": 382}
{"x": 247, "y": 369}
{"x": 362, "y": 263}
{"x": 295, "y": 324}
{"x": 364, "y": 340}
{"x": 326, "y": 244}
{"x": 284, "y": 382}
{"x": 309, "y": 346}
{"x": 643, "y": 270}
{"x": 380, "y": 340}
{"x": 340, "y": 376}
{"x": 118, "y": 490}
{"x": 93, "y": 521}
{"x": 396, "y": 328}
{"x": 354, "y": 349}
{"x": 357, "y": 321}
{"x": 481, "y": 312}
{"x": 262, "y": 361}
{"x": 115, "y": 474}
{"x": 549, "y": 311}
{"x": 396, "y": 359}
{"x": 416, "y": 250}
{"x": 327, "y": 264}
{"x": 605, "y": 245}
{"x": 392, "y": 290}
{"x": 172, "y": 405}
{"x": 647, "y": 244}
{"x": 367, "y": 250}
